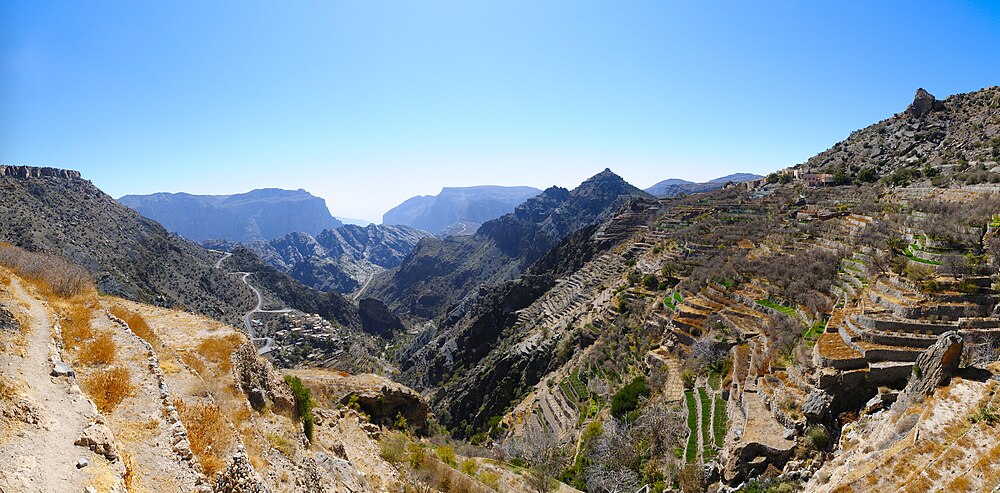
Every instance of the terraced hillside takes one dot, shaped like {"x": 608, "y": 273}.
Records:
{"x": 780, "y": 338}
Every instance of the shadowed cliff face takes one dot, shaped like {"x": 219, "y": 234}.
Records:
{"x": 256, "y": 215}
{"x": 440, "y": 273}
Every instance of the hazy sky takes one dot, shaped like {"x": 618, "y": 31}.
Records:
{"x": 367, "y": 103}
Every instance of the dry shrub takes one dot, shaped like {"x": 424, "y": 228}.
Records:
{"x": 8, "y": 389}
{"x": 208, "y": 432}
{"x": 960, "y": 484}
{"x": 132, "y": 480}
{"x": 100, "y": 351}
{"x": 138, "y": 325}
{"x": 169, "y": 366}
{"x": 109, "y": 388}
{"x": 75, "y": 325}
{"x": 51, "y": 276}
{"x": 193, "y": 361}
{"x": 219, "y": 349}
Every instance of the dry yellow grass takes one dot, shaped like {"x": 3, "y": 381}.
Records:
{"x": 100, "y": 351}
{"x": 218, "y": 349}
{"x": 51, "y": 276}
{"x": 169, "y": 366}
{"x": 75, "y": 324}
{"x": 137, "y": 431}
{"x": 193, "y": 361}
{"x": 960, "y": 484}
{"x": 208, "y": 432}
{"x": 138, "y": 325}
{"x": 133, "y": 483}
{"x": 109, "y": 388}
{"x": 8, "y": 389}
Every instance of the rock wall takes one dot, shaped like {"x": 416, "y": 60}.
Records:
{"x": 35, "y": 172}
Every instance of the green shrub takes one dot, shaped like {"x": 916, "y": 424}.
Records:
{"x": 688, "y": 377}
{"x": 303, "y": 403}
{"x": 818, "y": 437}
{"x": 626, "y": 400}
{"x": 447, "y": 454}
{"x": 393, "y": 448}
{"x": 470, "y": 467}
{"x": 415, "y": 454}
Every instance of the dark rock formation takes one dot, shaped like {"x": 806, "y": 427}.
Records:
{"x": 923, "y": 103}
{"x": 36, "y": 172}
{"x": 377, "y": 319}
{"x": 458, "y": 210}
{"x": 256, "y": 215}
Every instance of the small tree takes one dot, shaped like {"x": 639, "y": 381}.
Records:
{"x": 303, "y": 403}
{"x": 542, "y": 451}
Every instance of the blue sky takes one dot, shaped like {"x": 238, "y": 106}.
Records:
{"x": 367, "y": 103}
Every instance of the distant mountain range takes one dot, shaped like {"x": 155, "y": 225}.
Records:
{"x": 439, "y": 273}
{"x": 674, "y": 186}
{"x": 341, "y": 259}
{"x": 261, "y": 214}
{"x": 57, "y": 212}
{"x": 458, "y": 210}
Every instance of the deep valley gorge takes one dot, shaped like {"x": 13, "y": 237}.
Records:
{"x": 833, "y": 326}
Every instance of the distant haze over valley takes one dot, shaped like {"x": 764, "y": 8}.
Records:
{"x": 261, "y": 214}
{"x": 458, "y": 210}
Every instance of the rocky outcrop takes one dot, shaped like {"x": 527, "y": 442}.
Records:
{"x": 239, "y": 477}
{"x": 935, "y": 366}
{"x": 923, "y": 103}
{"x": 99, "y": 439}
{"x": 377, "y": 319}
{"x": 37, "y": 172}
{"x": 380, "y": 398}
{"x": 816, "y": 406}
{"x": 259, "y": 381}
{"x": 930, "y": 134}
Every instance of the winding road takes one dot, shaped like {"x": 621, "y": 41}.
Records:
{"x": 248, "y": 317}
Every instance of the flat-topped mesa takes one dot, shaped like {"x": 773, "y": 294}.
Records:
{"x": 923, "y": 103}
{"x": 37, "y": 172}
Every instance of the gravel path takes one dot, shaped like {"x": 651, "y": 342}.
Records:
{"x": 42, "y": 457}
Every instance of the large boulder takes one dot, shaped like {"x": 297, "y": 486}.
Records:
{"x": 99, "y": 439}
{"x": 935, "y": 366}
{"x": 816, "y": 406}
